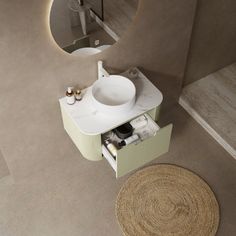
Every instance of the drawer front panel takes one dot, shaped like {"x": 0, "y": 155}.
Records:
{"x": 134, "y": 156}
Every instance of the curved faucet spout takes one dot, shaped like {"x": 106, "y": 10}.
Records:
{"x": 101, "y": 71}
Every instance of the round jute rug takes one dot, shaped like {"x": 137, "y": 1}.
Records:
{"x": 167, "y": 200}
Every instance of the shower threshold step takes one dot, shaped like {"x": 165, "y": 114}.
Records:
{"x": 211, "y": 101}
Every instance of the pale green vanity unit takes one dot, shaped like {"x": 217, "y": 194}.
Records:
{"x": 86, "y": 126}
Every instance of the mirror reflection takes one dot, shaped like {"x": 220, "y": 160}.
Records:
{"x": 86, "y": 27}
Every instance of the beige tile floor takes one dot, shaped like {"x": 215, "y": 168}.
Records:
{"x": 77, "y": 197}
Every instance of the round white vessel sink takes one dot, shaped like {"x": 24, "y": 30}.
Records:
{"x": 84, "y": 52}
{"x": 113, "y": 95}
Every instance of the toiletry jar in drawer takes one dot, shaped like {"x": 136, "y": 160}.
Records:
{"x": 134, "y": 156}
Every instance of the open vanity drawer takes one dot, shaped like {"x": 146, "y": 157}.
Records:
{"x": 133, "y": 156}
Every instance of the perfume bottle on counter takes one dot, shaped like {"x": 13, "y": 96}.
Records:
{"x": 70, "y": 97}
{"x": 78, "y": 95}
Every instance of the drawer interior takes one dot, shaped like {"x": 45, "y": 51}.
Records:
{"x": 153, "y": 142}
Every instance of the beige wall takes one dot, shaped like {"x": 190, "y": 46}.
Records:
{"x": 213, "y": 44}
{"x": 34, "y": 73}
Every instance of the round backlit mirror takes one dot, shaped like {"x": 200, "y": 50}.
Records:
{"x": 87, "y": 27}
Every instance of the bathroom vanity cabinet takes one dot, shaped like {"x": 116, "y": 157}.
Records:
{"x": 86, "y": 127}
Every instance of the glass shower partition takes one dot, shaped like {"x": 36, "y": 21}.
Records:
{"x": 96, "y": 7}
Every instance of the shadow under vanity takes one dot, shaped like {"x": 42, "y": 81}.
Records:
{"x": 89, "y": 128}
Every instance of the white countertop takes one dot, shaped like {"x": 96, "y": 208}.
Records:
{"x": 92, "y": 122}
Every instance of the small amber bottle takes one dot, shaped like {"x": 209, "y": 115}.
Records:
{"x": 78, "y": 95}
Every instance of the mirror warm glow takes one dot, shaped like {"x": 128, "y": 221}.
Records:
{"x": 86, "y": 27}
